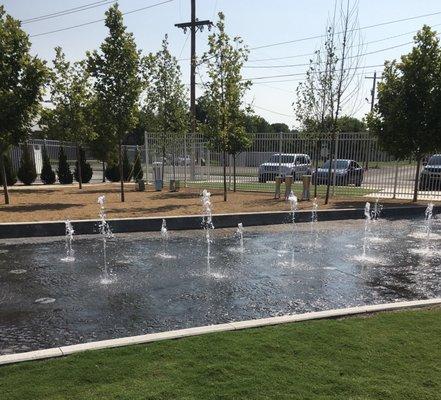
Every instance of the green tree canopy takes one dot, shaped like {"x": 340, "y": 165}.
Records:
{"x": 71, "y": 96}
{"x": 21, "y": 86}
{"x": 225, "y": 91}
{"x": 117, "y": 81}
{"x": 407, "y": 117}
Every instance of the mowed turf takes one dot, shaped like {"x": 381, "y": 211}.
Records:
{"x": 384, "y": 356}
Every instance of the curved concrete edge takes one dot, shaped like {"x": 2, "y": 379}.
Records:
{"x": 202, "y": 330}
{"x": 10, "y": 230}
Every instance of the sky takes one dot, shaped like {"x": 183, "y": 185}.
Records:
{"x": 258, "y": 22}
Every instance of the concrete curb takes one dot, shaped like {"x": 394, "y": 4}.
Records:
{"x": 202, "y": 330}
{"x": 150, "y": 224}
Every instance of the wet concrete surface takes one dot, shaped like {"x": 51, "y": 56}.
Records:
{"x": 154, "y": 287}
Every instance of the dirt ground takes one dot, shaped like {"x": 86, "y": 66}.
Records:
{"x": 40, "y": 203}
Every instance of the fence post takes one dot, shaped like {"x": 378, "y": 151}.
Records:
{"x": 208, "y": 163}
{"x": 146, "y": 150}
{"x": 280, "y": 154}
{"x": 395, "y": 180}
{"x": 185, "y": 160}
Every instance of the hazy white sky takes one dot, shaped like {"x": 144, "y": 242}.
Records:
{"x": 259, "y": 22}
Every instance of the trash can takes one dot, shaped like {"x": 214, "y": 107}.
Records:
{"x": 140, "y": 185}
{"x": 174, "y": 185}
{"x": 288, "y": 185}
{"x": 277, "y": 190}
{"x": 306, "y": 179}
{"x": 157, "y": 176}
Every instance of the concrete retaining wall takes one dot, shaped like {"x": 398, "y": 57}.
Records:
{"x": 149, "y": 224}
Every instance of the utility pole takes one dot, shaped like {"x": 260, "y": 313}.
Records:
{"x": 374, "y": 87}
{"x": 193, "y": 25}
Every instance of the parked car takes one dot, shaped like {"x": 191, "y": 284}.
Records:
{"x": 430, "y": 177}
{"x": 346, "y": 171}
{"x": 183, "y": 160}
{"x": 290, "y": 164}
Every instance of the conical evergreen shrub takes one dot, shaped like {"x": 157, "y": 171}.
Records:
{"x": 112, "y": 172}
{"x": 127, "y": 167}
{"x": 11, "y": 176}
{"x": 65, "y": 177}
{"x": 86, "y": 169}
{"x": 137, "y": 168}
{"x": 47, "y": 175}
{"x": 26, "y": 173}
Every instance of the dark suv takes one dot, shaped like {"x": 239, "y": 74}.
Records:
{"x": 430, "y": 177}
{"x": 346, "y": 172}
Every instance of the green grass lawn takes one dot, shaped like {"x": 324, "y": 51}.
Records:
{"x": 384, "y": 356}
{"x": 270, "y": 186}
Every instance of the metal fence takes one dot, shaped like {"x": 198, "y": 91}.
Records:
{"x": 194, "y": 162}
{"x": 191, "y": 160}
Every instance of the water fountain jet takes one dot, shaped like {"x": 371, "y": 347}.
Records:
{"x": 69, "y": 239}
{"x": 106, "y": 233}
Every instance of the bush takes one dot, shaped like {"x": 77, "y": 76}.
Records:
{"x": 11, "y": 176}
{"x": 65, "y": 177}
{"x": 86, "y": 169}
{"x": 27, "y": 173}
{"x": 47, "y": 175}
{"x": 137, "y": 168}
{"x": 127, "y": 167}
{"x": 112, "y": 172}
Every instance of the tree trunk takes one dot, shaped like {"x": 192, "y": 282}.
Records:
{"x": 331, "y": 162}
{"x": 3, "y": 175}
{"x": 104, "y": 172}
{"x": 225, "y": 174}
{"x": 121, "y": 171}
{"x": 417, "y": 176}
{"x": 79, "y": 169}
{"x": 234, "y": 172}
{"x": 163, "y": 165}
{"x": 317, "y": 156}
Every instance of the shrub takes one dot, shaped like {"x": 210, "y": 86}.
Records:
{"x": 11, "y": 176}
{"x": 112, "y": 172}
{"x": 127, "y": 167}
{"x": 86, "y": 169}
{"x": 65, "y": 177}
{"x": 137, "y": 168}
{"x": 27, "y": 173}
{"x": 47, "y": 175}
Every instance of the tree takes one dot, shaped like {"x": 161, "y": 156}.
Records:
{"x": 26, "y": 173}
{"x": 225, "y": 91}
{"x": 11, "y": 176}
{"x": 280, "y": 127}
{"x": 331, "y": 80}
{"x": 406, "y": 118}
{"x": 65, "y": 177}
{"x": 82, "y": 165}
{"x": 47, "y": 174}
{"x": 166, "y": 99}
{"x": 117, "y": 81}
{"x": 21, "y": 84}
{"x": 70, "y": 119}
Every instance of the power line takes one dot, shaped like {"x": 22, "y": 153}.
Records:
{"x": 350, "y": 30}
{"x": 303, "y": 73}
{"x": 302, "y": 79}
{"x": 100, "y": 20}
{"x": 67, "y": 11}
{"x": 356, "y": 56}
{"x": 271, "y": 111}
{"x": 363, "y": 44}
